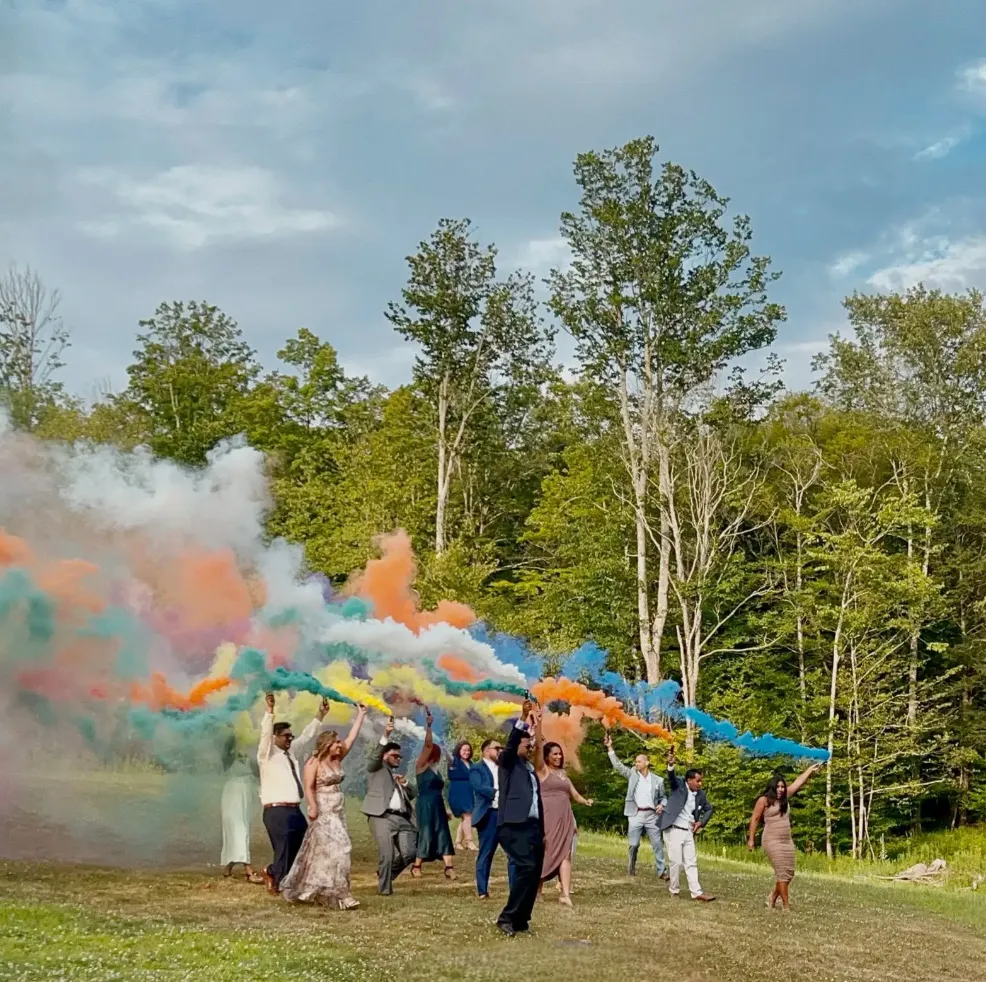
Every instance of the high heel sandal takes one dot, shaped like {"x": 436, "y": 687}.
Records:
{"x": 416, "y": 871}
{"x": 450, "y": 873}
{"x": 567, "y": 901}
{"x": 350, "y": 904}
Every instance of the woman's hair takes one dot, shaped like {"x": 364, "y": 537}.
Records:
{"x": 324, "y": 743}
{"x": 457, "y": 753}
{"x": 436, "y": 754}
{"x": 548, "y": 747}
{"x": 771, "y": 792}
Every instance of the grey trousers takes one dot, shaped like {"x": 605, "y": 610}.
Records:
{"x": 397, "y": 847}
{"x": 646, "y": 822}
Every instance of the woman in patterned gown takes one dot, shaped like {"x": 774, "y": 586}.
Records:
{"x": 777, "y": 841}
{"x": 321, "y": 868}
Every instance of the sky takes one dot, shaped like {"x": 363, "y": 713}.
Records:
{"x": 281, "y": 159}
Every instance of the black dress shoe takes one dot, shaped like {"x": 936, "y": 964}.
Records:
{"x": 507, "y": 929}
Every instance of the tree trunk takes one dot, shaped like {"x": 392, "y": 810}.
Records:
{"x": 833, "y": 689}
{"x": 443, "y": 468}
{"x": 652, "y": 658}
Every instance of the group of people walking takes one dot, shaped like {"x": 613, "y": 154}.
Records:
{"x": 516, "y": 797}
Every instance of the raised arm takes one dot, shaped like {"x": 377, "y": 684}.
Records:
{"x": 375, "y": 762}
{"x": 305, "y": 741}
{"x": 755, "y": 818}
{"x": 310, "y": 774}
{"x": 508, "y": 756}
{"x": 615, "y": 761}
{"x": 674, "y": 782}
{"x": 347, "y": 744}
{"x": 424, "y": 757}
{"x": 266, "y": 732}
{"x": 802, "y": 779}
{"x": 540, "y": 767}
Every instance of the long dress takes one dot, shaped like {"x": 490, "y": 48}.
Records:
{"x": 434, "y": 838}
{"x": 778, "y": 843}
{"x": 559, "y": 822}
{"x": 459, "y": 787}
{"x": 238, "y": 800}
{"x": 321, "y": 868}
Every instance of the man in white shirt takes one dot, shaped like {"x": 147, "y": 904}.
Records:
{"x": 686, "y": 813}
{"x": 643, "y": 806}
{"x": 281, "y": 790}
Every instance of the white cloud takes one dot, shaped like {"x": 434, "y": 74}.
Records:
{"x": 847, "y": 263}
{"x": 196, "y": 204}
{"x": 938, "y": 263}
{"x": 944, "y": 146}
{"x": 972, "y": 78}
{"x": 428, "y": 93}
{"x": 540, "y": 256}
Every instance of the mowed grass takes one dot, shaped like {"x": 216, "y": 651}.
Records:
{"x": 90, "y": 923}
{"x": 161, "y": 911}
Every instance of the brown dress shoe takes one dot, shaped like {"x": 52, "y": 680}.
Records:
{"x": 704, "y": 898}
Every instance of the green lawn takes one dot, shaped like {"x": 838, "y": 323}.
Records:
{"x": 88, "y": 923}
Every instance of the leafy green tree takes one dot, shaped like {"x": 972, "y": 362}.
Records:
{"x": 660, "y": 296}
{"x": 481, "y": 343}
{"x": 191, "y": 373}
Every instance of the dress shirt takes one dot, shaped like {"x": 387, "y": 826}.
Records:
{"x": 643, "y": 794}
{"x": 687, "y": 817}
{"x": 277, "y": 780}
{"x": 396, "y": 803}
{"x": 495, "y": 771}
{"x": 533, "y": 813}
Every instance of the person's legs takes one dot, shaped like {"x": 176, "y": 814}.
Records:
{"x": 535, "y": 844}
{"x": 484, "y": 858}
{"x": 635, "y": 826}
{"x": 689, "y": 858}
{"x": 774, "y": 895}
{"x": 526, "y": 859}
{"x": 297, "y": 827}
{"x": 782, "y": 890}
{"x": 654, "y": 837}
{"x": 277, "y": 821}
{"x": 465, "y": 831}
{"x": 383, "y": 837}
{"x": 565, "y": 879}
{"x": 406, "y": 843}
{"x": 673, "y": 850}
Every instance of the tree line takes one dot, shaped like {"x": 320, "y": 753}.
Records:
{"x": 807, "y": 563}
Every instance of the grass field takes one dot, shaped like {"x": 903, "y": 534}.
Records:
{"x": 184, "y": 921}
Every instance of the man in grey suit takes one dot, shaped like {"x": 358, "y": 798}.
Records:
{"x": 645, "y": 801}
{"x": 387, "y": 806}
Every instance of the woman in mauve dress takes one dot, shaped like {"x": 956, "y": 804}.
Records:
{"x": 557, "y": 795}
{"x": 777, "y": 841}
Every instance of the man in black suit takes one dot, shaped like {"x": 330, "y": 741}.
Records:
{"x": 520, "y": 821}
{"x": 685, "y": 815}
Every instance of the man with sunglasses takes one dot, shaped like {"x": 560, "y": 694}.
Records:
{"x": 388, "y": 808}
{"x": 485, "y": 781}
{"x": 281, "y": 790}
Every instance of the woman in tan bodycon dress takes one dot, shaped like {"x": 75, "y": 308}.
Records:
{"x": 777, "y": 841}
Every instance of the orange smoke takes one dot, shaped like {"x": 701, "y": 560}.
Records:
{"x": 567, "y": 730}
{"x": 458, "y": 669}
{"x": 598, "y": 705}
{"x": 386, "y": 583}
{"x": 159, "y": 695}
{"x": 13, "y": 551}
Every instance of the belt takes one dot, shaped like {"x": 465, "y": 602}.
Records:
{"x": 390, "y": 811}
{"x": 639, "y": 809}
{"x": 284, "y": 804}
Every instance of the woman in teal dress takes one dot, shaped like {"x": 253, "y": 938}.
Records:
{"x": 434, "y": 837}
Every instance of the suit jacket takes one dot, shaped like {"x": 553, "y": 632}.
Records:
{"x": 380, "y": 786}
{"x": 633, "y": 777}
{"x": 516, "y": 789}
{"x": 677, "y": 800}
{"x": 483, "y": 791}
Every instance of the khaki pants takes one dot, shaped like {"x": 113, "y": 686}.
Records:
{"x": 679, "y": 844}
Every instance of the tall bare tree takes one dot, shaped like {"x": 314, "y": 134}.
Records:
{"x": 33, "y": 339}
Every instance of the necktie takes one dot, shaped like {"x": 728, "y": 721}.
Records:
{"x": 294, "y": 774}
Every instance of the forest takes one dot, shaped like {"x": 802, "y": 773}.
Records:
{"x": 806, "y": 563}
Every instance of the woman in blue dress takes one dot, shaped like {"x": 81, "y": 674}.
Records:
{"x": 434, "y": 837}
{"x": 460, "y": 793}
